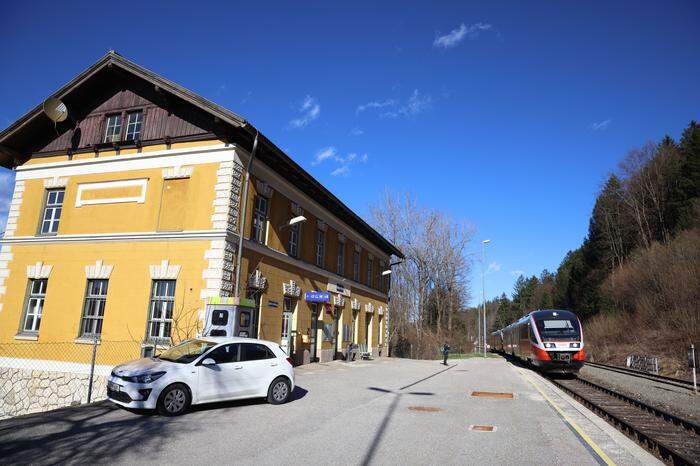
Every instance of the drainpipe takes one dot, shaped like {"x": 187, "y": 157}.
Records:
{"x": 244, "y": 204}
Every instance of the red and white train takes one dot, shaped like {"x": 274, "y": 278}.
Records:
{"x": 550, "y": 340}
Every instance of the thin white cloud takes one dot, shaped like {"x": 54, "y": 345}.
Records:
{"x": 356, "y": 132}
{"x": 601, "y": 125}
{"x": 493, "y": 268}
{"x": 455, "y": 36}
{"x": 343, "y": 170}
{"x": 246, "y": 98}
{"x": 416, "y": 103}
{"x": 517, "y": 273}
{"x": 392, "y": 108}
{"x": 342, "y": 162}
{"x": 374, "y": 105}
{"x": 309, "y": 111}
{"x": 324, "y": 154}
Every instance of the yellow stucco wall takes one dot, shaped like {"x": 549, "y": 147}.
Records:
{"x": 120, "y": 217}
{"x": 128, "y": 292}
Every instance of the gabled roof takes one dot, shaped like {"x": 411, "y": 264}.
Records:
{"x": 19, "y": 140}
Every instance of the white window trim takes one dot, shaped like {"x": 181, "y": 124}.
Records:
{"x": 99, "y": 271}
{"x": 141, "y": 198}
{"x": 38, "y": 271}
{"x": 164, "y": 271}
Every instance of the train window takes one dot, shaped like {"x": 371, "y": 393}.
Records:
{"x": 558, "y": 328}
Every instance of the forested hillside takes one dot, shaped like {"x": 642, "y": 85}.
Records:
{"x": 635, "y": 280}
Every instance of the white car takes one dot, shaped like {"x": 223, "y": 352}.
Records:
{"x": 203, "y": 370}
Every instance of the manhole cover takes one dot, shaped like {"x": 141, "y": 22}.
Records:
{"x": 425, "y": 409}
{"x": 482, "y": 428}
{"x": 493, "y": 394}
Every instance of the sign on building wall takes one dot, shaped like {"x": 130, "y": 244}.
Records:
{"x": 317, "y": 296}
{"x": 338, "y": 288}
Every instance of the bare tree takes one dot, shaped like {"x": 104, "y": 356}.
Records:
{"x": 431, "y": 286}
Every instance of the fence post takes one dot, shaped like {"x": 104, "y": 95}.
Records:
{"x": 92, "y": 368}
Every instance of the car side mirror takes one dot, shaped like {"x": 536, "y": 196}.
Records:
{"x": 208, "y": 362}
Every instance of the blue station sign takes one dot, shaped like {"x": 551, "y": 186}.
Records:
{"x": 317, "y": 296}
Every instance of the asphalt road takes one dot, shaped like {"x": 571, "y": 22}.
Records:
{"x": 378, "y": 412}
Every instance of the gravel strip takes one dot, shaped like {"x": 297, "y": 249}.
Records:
{"x": 676, "y": 400}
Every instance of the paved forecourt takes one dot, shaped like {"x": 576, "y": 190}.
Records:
{"x": 382, "y": 412}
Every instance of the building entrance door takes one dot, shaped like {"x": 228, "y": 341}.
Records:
{"x": 285, "y": 336}
{"x": 368, "y": 323}
{"x": 336, "y": 331}
{"x": 314, "y": 331}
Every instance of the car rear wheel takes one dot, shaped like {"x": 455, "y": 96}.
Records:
{"x": 174, "y": 400}
{"x": 279, "y": 392}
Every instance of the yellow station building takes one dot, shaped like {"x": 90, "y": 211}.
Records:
{"x": 125, "y": 217}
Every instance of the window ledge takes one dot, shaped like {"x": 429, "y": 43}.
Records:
{"x": 86, "y": 341}
{"x": 25, "y": 336}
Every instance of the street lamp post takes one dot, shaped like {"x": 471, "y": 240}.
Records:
{"x": 483, "y": 287}
{"x": 387, "y": 273}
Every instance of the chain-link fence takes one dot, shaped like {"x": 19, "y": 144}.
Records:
{"x": 37, "y": 376}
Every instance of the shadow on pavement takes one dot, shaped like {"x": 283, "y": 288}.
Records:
{"x": 97, "y": 433}
{"x": 372, "y": 450}
{"x": 94, "y": 433}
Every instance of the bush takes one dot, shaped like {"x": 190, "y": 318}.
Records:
{"x": 655, "y": 295}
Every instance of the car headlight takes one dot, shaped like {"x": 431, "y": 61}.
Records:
{"x": 145, "y": 378}
{"x": 550, "y": 345}
{"x": 574, "y": 345}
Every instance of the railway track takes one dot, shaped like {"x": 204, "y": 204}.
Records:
{"x": 645, "y": 375}
{"x": 671, "y": 438}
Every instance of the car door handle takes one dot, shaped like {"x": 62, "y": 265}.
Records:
{"x": 273, "y": 364}
{"x": 237, "y": 367}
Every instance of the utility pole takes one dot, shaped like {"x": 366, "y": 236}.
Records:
{"x": 483, "y": 287}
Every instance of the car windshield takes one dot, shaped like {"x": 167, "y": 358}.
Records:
{"x": 187, "y": 351}
{"x": 558, "y": 328}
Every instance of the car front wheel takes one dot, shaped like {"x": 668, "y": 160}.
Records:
{"x": 174, "y": 400}
{"x": 279, "y": 392}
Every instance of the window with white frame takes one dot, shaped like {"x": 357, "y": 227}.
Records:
{"x": 161, "y": 310}
{"x": 35, "y": 305}
{"x": 113, "y": 128}
{"x": 52, "y": 211}
{"x": 341, "y": 258}
{"x": 94, "y": 308}
{"x": 294, "y": 240}
{"x": 320, "y": 247}
{"x": 134, "y": 121}
{"x": 369, "y": 272}
{"x": 259, "y": 219}
{"x": 356, "y": 266}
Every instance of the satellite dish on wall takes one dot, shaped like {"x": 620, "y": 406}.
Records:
{"x": 55, "y": 109}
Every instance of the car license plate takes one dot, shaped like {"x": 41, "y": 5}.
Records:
{"x": 114, "y": 387}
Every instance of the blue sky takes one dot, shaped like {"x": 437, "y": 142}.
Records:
{"x": 508, "y": 115}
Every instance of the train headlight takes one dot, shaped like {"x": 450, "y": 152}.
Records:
{"x": 574, "y": 345}
{"x": 550, "y": 345}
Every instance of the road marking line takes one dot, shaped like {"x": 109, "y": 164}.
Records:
{"x": 595, "y": 450}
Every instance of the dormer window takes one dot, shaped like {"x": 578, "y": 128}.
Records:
{"x": 133, "y": 126}
{"x": 113, "y": 129}
{"x": 116, "y": 130}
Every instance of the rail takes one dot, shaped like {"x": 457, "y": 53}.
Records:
{"x": 668, "y": 436}
{"x": 645, "y": 375}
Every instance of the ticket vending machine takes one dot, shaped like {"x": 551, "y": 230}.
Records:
{"x": 229, "y": 317}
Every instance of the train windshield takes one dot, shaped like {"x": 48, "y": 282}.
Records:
{"x": 556, "y": 328}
